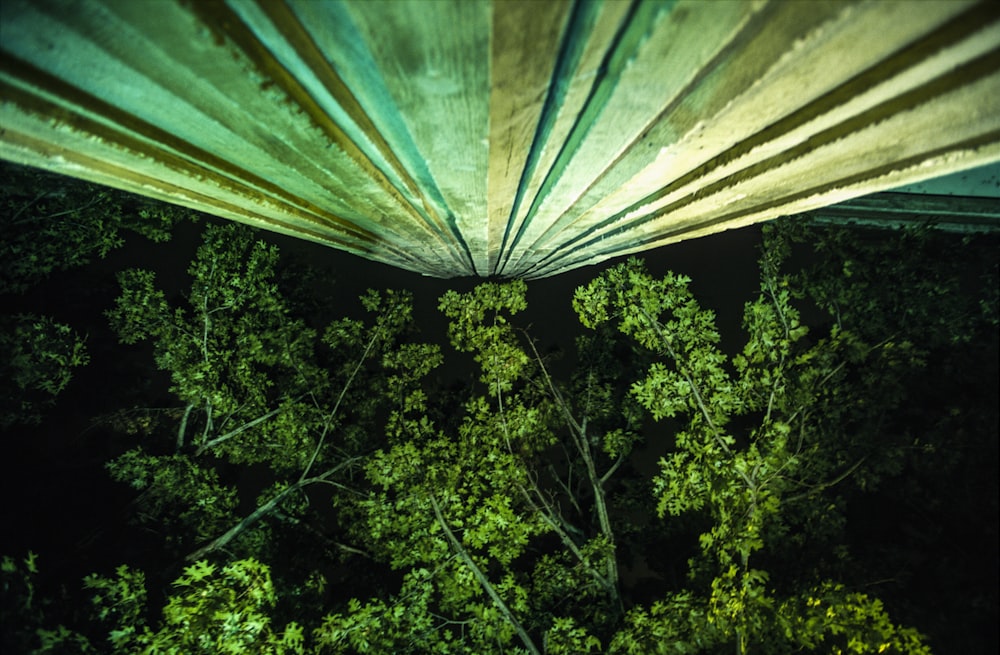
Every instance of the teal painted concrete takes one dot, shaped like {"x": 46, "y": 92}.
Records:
{"x": 487, "y": 137}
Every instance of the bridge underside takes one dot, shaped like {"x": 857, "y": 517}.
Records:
{"x": 519, "y": 139}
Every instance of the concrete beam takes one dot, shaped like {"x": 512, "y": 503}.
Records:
{"x": 894, "y": 210}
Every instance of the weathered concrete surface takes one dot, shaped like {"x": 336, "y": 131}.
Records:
{"x": 518, "y": 139}
{"x": 891, "y": 209}
{"x": 982, "y": 182}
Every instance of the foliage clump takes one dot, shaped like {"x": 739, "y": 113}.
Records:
{"x": 52, "y": 224}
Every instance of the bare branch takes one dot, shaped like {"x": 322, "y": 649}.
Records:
{"x": 265, "y": 509}
{"x": 578, "y": 431}
{"x": 547, "y": 513}
{"x": 183, "y": 426}
{"x": 655, "y": 324}
{"x": 829, "y": 483}
{"x": 336, "y": 406}
{"x": 611, "y": 471}
{"x": 237, "y": 431}
{"x": 481, "y": 577}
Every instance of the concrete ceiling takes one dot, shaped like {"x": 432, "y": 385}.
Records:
{"x": 981, "y": 182}
{"x": 500, "y": 138}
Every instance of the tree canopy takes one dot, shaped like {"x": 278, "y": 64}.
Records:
{"x": 316, "y": 489}
{"x": 51, "y": 224}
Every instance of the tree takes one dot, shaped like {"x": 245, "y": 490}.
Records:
{"x": 389, "y": 517}
{"x": 780, "y": 476}
{"x": 458, "y": 511}
{"x": 255, "y": 390}
{"x": 755, "y": 485}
